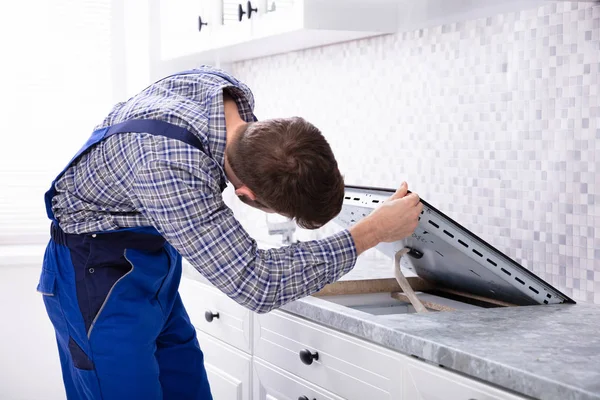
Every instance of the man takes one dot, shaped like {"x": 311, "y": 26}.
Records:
{"x": 145, "y": 190}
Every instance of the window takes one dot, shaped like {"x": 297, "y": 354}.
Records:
{"x": 57, "y": 84}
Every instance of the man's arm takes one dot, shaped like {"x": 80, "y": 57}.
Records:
{"x": 184, "y": 203}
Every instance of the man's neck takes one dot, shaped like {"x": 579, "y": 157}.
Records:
{"x": 233, "y": 121}
{"x": 233, "y": 124}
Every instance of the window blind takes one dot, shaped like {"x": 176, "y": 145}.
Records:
{"x": 56, "y": 86}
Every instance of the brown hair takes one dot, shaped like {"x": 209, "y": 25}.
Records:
{"x": 291, "y": 169}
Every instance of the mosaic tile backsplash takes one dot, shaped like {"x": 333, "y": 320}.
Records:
{"x": 495, "y": 121}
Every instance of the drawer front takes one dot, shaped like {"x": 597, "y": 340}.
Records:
{"x": 273, "y": 383}
{"x": 428, "y": 382}
{"x": 229, "y": 370}
{"x": 233, "y": 324}
{"x": 349, "y": 367}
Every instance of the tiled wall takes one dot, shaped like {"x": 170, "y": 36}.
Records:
{"x": 495, "y": 121}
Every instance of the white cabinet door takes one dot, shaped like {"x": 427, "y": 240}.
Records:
{"x": 350, "y": 367}
{"x": 273, "y": 383}
{"x": 229, "y": 370}
{"x": 186, "y": 26}
{"x": 232, "y": 30}
{"x": 423, "y": 381}
{"x": 231, "y": 323}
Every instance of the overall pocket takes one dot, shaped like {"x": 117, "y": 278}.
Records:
{"x": 47, "y": 283}
{"x": 96, "y": 287}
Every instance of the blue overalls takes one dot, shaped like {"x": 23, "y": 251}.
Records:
{"x": 121, "y": 328}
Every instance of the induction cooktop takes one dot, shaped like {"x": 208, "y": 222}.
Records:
{"x": 449, "y": 255}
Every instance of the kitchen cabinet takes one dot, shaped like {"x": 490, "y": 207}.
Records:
{"x": 353, "y": 368}
{"x": 273, "y": 383}
{"x": 216, "y": 314}
{"x": 232, "y": 30}
{"x": 424, "y": 381}
{"x": 185, "y": 26}
{"x": 344, "y": 365}
{"x": 280, "y": 356}
{"x": 230, "y": 11}
{"x": 229, "y": 370}
{"x": 223, "y": 330}
{"x": 267, "y": 26}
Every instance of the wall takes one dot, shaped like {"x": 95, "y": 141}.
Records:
{"x": 495, "y": 121}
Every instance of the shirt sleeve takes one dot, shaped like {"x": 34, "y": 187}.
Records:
{"x": 185, "y": 205}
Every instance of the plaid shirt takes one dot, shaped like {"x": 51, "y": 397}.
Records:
{"x": 138, "y": 179}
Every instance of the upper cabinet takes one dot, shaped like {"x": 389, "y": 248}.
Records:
{"x": 215, "y": 31}
{"x": 182, "y": 26}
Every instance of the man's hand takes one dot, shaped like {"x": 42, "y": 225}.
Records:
{"x": 394, "y": 220}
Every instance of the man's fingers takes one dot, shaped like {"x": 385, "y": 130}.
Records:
{"x": 413, "y": 199}
{"x": 419, "y": 208}
{"x": 401, "y": 192}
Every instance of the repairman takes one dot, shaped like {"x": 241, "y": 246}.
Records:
{"x": 145, "y": 191}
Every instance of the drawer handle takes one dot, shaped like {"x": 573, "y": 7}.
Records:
{"x": 304, "y": 398}
{"x": 209, "y": 315}
{"x": 307, "y": 357}
{"x": 241, "y": 12}
{"x": 201, "y": 24}
{"x": 250, "y": 10}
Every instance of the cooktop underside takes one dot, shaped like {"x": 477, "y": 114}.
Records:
{"x": 452, "y": 256}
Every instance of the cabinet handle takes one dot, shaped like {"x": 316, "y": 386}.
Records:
{"x": 307, "y": 356}
{"x": 241, "y": 12}
{"x": 201, "y": 24}
{"x": 304, "y": 398}
{"x": 209, "y": 315}
{"x": 250, "y": 9}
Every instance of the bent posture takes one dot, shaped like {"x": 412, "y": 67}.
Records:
{"x": 145, "y": 190}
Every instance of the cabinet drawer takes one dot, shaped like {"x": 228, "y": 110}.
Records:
{"x": 349, "y": 367}
{"x": 429, "y": 382}
{"x": 229, "y": 370}
{"x": 233, "y": 324}
{"x": 273, "y": 383}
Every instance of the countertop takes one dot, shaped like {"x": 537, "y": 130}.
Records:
{"x": 546, "y": 352}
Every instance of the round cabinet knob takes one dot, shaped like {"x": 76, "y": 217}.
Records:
{"x": 209, "y": 315}
{"x": 201, "y": 24}
{"x": 241, "y": 12}
{"x": 307, "y": 357}
{"x": 250, "y": 9}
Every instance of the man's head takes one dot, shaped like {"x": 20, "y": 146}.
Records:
{"x": 286, "y": 166}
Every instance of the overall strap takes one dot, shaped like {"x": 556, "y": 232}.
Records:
{"x": 155, "y": 127}
{"x": 150, "y": 126}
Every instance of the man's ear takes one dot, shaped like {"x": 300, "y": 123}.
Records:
{"x": 245, "y": 191}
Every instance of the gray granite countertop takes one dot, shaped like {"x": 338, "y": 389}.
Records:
{"x": 546, "y": 352}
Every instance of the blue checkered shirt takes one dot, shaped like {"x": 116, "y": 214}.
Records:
{"x": 138, "y": 179}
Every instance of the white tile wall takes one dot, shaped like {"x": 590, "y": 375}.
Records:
{"x": 495, "y": 121}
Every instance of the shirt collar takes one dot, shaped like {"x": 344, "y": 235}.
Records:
{"x": 217, "y": 137}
